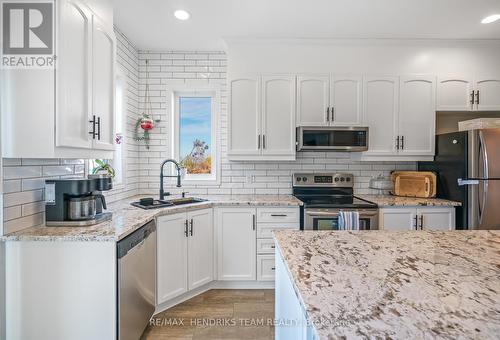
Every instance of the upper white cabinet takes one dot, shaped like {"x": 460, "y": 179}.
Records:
{"x": 262, "y": 118}
{"x": 236, "y": 243}
{"x": 313, "y": 100}
{"x": 59, "y": 116}
{"x": 468, "y": 94}
{"x": 416, "y": 121}
{"x": 329, "y": 101}
{"x": 400, "y": 112}
{"x": 381, "y": 96}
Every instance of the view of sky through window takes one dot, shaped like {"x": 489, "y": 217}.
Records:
{"x": 195, "y": 134}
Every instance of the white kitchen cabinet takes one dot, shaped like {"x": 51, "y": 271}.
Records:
{"x": 262, "y": 118}
{"x": 200, "y": 248}
{"x": 172, "y": 257}
{"x": 103, "y": 85}
{"x": 278, "y": 116}
{"x": 346, "y": 100}
{"x": 487, "y": 96}
{"x": 236, "y": 244}
{"x": 244, "y": 117}
{"x": 454, "y": 94}
{"x": 185, "y": 253}
{"x": 416, "y": 121}
{"x": 480, "y": 93}
{"x": 63, "y": 100}
{"x": 380, "y": 106}
{"x": 329, "y": 101}
{"x": 265, "y": 267}
{"x": 417, "y": 218}
{"x": 313, "y": 100}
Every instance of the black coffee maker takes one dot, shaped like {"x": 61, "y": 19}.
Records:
{"x": 76, "y": 202}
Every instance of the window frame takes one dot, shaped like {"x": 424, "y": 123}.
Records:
{"x": 174, "y": 145}
{"x": 121, "y": 78}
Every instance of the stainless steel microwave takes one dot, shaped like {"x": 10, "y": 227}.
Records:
{"x": 332, "y": 138}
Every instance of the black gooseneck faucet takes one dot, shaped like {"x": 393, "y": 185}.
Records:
{"x": 178, "y": 168}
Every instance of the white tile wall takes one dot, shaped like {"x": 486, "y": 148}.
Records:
{"x": 193, "y": 68}
{"x": 24, "y": 179}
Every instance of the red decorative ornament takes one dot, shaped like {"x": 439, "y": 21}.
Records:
{"x": 147, "y": 124}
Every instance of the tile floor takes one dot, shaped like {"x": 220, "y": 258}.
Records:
{"x": 239, "y": 314}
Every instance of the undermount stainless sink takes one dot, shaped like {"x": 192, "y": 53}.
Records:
{"x": 155, "y": 204}
{"x": 185, "y": 200}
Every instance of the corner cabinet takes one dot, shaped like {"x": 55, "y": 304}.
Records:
{"x": 59, "y": 117}
{"x": 466, "y": 93}
{"x": 413, "y": 218}
{"x": 262, "y": 118}
{"x": 185, "y": 253}
{"x": 329, "y": 100}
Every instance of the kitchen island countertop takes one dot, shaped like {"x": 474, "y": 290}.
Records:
{"x": 398, "y": 285}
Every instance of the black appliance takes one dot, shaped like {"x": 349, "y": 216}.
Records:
{"x": 76, "y": 202}
{"x": 325, "y": 195}
{"x": 332, "y": 138}
{"x": 467, "y": 165}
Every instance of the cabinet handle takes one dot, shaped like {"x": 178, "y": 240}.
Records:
{"x": 263, "y": 141}
{"x": 421, "y": 222}
{"x": 273, "y": 246}
{"x": 98, "y": 128}
{"x": 253, "y": 222}
{"x": 93, "y": 127}
{"x": 333, "y": 113}
{"x": 186, "y": 228}
{"x": 416, "y": 222}
{"x": 258, "y": 142}
{"x": 477, "y": 97}
{"x": 273, "y": 268}
{"x": 328, "y": 114}
{"x": 191, "y": 227}
{"x": 279, "y": 215}
{"x": 402, "y": 142}
{"x": 472, "y": 98}
{"x": 397, "y": 143}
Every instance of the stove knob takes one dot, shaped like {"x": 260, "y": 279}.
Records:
{"x": 304, "y": 179}
{"x": 342, "y": 179}
{"x": 298, "y": 179}
{"x": 336, "y": 179}
{"x": 348, "y": 179}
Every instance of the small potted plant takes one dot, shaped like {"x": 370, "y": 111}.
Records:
{"x": 103, "y": 168}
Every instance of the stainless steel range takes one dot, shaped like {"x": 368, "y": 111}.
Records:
{"x": 325, "y": 195}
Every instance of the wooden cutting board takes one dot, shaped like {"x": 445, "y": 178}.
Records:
{"x": 414, "y": 183}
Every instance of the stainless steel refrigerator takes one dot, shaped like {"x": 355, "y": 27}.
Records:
{"x": 474, "y": 158}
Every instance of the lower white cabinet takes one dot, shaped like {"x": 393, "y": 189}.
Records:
{"x": 413, "y": 218}
{"x": 236, "y": 244}
{"x": 265, "y": 267}
{"x": 185, "y": 253}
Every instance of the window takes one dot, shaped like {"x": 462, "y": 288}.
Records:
{"x": 120, "y": 116}
{"x": 195, "y": 142}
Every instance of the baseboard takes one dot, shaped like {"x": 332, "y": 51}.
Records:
{"x": 213, "y": 285}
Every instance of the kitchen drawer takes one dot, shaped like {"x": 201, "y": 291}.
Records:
{"x": 265, "y": 268}
{"x": 278, "y": 215}
{"x": 265, "y": 246}
{"x": 264, "y": 230}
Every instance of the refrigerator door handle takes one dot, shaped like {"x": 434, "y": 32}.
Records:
{"x": 483, "y": 173}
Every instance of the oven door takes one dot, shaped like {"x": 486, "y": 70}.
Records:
{"x": 328, "y": 219}
{"x": 332, "y": 138}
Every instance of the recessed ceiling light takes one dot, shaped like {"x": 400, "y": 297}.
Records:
{"x": 181, "y": 14}
{"x": 490, "y": 19}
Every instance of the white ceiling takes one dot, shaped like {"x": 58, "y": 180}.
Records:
{"x": 150, "y": 24}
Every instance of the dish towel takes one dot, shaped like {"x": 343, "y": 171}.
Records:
{"x": 349, "y": 220}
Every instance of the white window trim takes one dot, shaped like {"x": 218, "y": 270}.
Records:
{"x": 214, "y": 91}
{"x": 120, "y": 73}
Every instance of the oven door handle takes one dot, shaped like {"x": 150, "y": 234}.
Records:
{"x": 319, "y": 213}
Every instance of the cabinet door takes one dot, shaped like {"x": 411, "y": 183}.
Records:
{"x": 244, "y": 117}
{"x": 381, "y": 112}
{"x": 312, "y": 100}
{"x": 236, "y": 243}
{"x": 417, "y": 115}
{"x": 454, "y": 94}
{"x": 487, "y": 94}
{"x": 278, "y": 116}
{"x": 171, "y": 261}
{"x": 436, "y": 218}
{"x": 345, "y": 100}
{"x": 73, "y": 76}
{"x": 397, "y": 218}
{"x": 103, "y": 89}
{"x": 200, "y": 248}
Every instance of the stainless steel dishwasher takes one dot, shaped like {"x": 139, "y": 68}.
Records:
{"x": 136, "y": 255}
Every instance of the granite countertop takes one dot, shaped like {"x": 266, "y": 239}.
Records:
{"x": 396, "y": 285}
{"x": 126, "y": 218}
{"x": 398, "y": 201}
